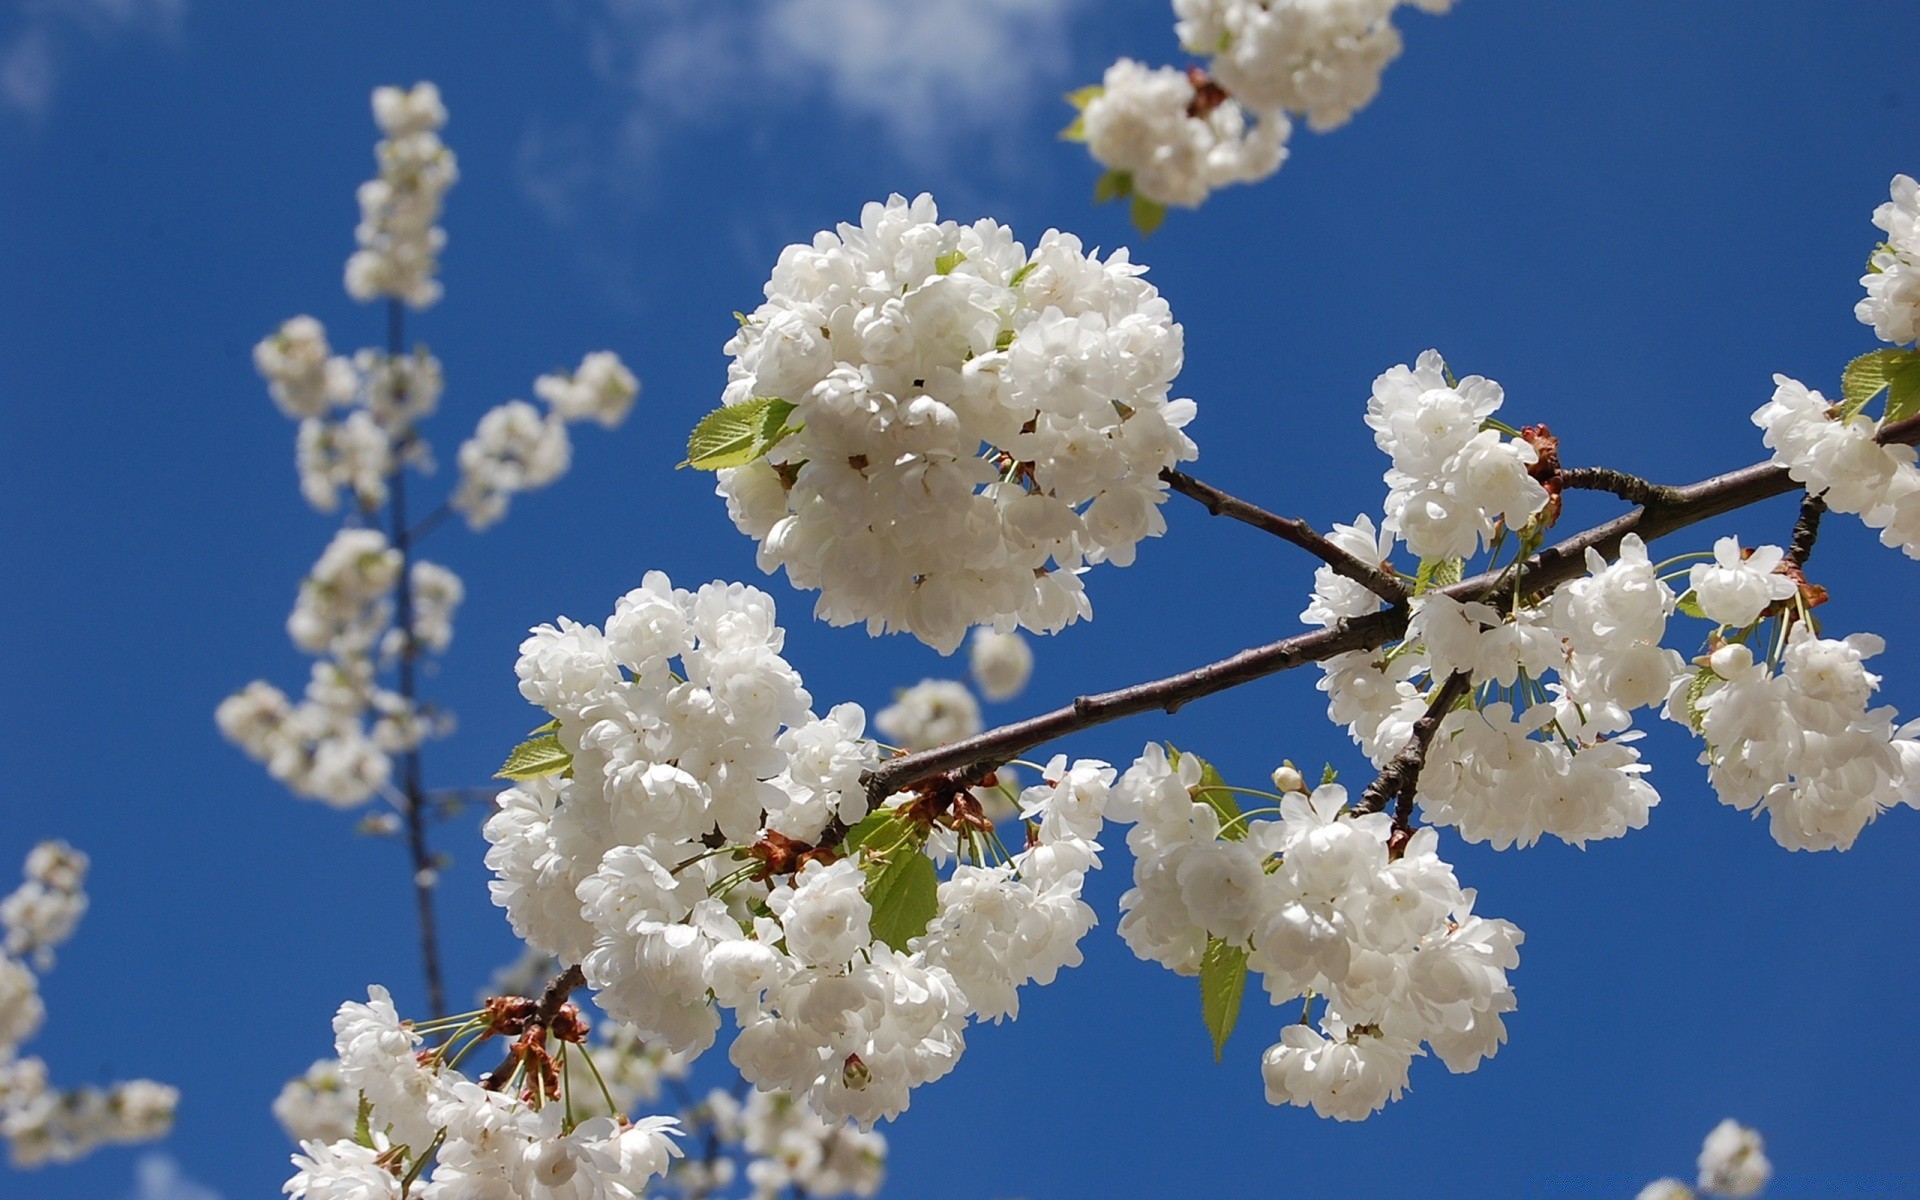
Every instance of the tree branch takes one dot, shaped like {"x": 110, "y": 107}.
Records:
{"x": 1401, "y": 775}
{"x": 1289, "y": 529}
{"x": 1621, "y": 484}
{"x": 1806, "y": 530}
{"x": 552, "y": 1000}
{"x": 1678, "y": 508}
{"x": 422, "y": 858}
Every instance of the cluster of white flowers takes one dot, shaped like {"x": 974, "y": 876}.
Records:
{"x": 357, "y": 415}
{"x": 1802, "y": 745}
{"x": 1453, "y": 476}
{"x": 1892, "y": 302}
{"x": 479, "y": 1142}
{"x": 41, "y": 1123}
{"x": 1319, "y": 58}
{"x": 602, "y": 389}
{"x": 791, "y": 1148}
{"x": 399, "y": 239}
{"x": 324, "y": 746}
{"x": 1733, "y": 1162}
{"x": 304, "y": 376}
{"x": 1835, "y": 455}
{"x": 317, "y": 1106}
{"x": 693, "y": 751}
{"x": 46, "y": 908}
{"x": 516, "y": 449}
{"x": 931, "y": 713}
{"x": 1001, "y": 663}
{"x": 1175, "y": 137}
{"x": 973, "y": 425}
{"x": 1323, "y": 904}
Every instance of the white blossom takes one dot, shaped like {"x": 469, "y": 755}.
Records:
{"x": 1733, "y": 1161}
{"x": 399, "y": 239}
{"x": 1892, "y": 281}
{"x": 601, "y": 389}
{"x": 316, "y": 1105}
{"x": 1839, "y": 460}
{"x": 303, "y": 375}
{"x": 1001, "y": 663}
{"x": 513, "y": 449}
{"x": 975, "y": 424}
{"x": 1174, "y": 142}
{"x": 931, "y": 713}
{"x": 1451, "y": 478}
{"x": 1736, "y": 588}
{"x": 1321, "y": 58}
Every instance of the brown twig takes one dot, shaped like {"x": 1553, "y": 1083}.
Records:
{"x": 417, "y": 807}
{"x": 1676, "y": 509}
{"x": 1621, "y": 484}
{"x": 1291, "y": 529}
{"x": 1401, "y": 775}
{"x": 1806, "y": 530}
{"x": 552, "y": 1000}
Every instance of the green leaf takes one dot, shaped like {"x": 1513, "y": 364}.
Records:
{"x": 1903, "y": 393}
{"x": 1076, "y": 131}
{"x": 1438, "y": 573}
{"x": 868, "y": 827}
{"x": 734, "y": 435}
{"x": 1328, "y": 774}
{"x": 1696, "y": 690}
{"x": 363, "y": 1123}
{"x": 549, "y": 727}
{"x": 1082, "y": 97}
{"x": 1223, "y": 980}
{"x": 534, "y": 758}
{"x": 1689, "y": 605}
{"x": 948, "y": 261}
{"x": 904, "y": 891}
{"x": 1148, "y": 216}
{"x": 1212, "y": 792}
{"x": 1004, "y": 340}
{"x": 1020, "y": 276}
{"x": 1112, "y": 186}
{"x": 743, "y": 318}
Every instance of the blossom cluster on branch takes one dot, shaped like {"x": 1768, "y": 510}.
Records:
{"x": 42, "y": 1123}
{"x": 1170, "y": 137}
{"x": 937, "y": 429}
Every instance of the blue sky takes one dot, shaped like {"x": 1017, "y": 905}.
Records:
{"x": 1629, "y": 214}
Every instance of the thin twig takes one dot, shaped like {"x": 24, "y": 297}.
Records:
{"x": 1401, "y": 775}
{"x": 1621, "y": 484}
{"x": 1806, "y": 530}
{"x": 416, "y": 811}
{"x": 1679, "y": 508}
{"x": 1291, "y": 529}
{"x": 552, "y": 1000}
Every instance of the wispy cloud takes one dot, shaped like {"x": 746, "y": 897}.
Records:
{"x": 158, "y": 1177}
{"x": 43, "y": 30}
{"x": 925, "y": 72}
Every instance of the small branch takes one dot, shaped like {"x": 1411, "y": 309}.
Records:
{"x": 552, "y": 1000}
{"x": 416, "y": 810}
{"x": 1401, "y": 776}
{"x": 1627, "y": 487}
{"x": 1675, "y": 509}
{"x": 1806, "y": 530}
{"x": 1289, "y": 529}
{"x": 430, "y": 522}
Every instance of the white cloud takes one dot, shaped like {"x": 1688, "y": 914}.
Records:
{"x": 920, "y": 68}
{"x": 158, "y": 1177}
{"x": 30, "y": 56}
{"x": 26, "y": 72}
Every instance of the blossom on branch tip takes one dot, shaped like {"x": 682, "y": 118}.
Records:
{"x": 972, "y": 426}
